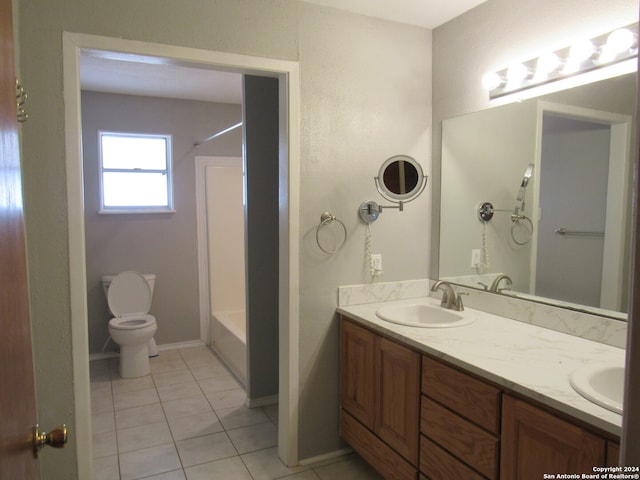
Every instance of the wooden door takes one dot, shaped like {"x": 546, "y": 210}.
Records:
{"x": 535, "y": 442}
{"x": 357, "y": 372}
{"x": 17, "y": 396}
{"x": 397, "y": 419}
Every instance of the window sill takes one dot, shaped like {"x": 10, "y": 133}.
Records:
{"x": 115, "y": 211}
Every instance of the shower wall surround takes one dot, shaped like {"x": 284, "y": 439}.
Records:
{"x": 592, "y": 327}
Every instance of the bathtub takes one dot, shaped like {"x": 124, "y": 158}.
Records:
{"x": 229, "y": 341}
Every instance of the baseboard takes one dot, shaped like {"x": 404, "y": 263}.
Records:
{"x": 178, "y": 345}
{"x": 326, "y": 457}
{"x": 161, "y": 348}
{"x": 102, "y": 356}
{"x": 261, "y": 401}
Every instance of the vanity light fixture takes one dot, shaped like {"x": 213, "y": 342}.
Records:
{"x": 584, "y": 55}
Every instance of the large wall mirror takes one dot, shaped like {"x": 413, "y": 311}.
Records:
{"x": 568, "y": 243}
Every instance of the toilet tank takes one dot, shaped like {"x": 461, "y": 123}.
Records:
{"x": 149, "y": 277}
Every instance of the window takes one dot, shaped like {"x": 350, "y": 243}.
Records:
{"x": 135, "y": 173}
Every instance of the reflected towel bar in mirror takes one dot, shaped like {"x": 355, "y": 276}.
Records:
{"x": 577, "y": 233}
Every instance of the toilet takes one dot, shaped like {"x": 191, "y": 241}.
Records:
{"x": 132, "y": 328}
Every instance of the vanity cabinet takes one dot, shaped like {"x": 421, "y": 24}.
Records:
{"x": 535, "y": 442}
{"x": 380, "y": 400}
{"x": 613, "y": 454}
{"x": 412, "y": 416}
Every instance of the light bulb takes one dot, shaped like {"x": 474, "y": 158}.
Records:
{"x": 491, "y": 81}
{"x": 572, "y": 66}
{"x": 547, "y": 63}
{"x": 581, "y": 51}
{"x": 517, "y": 73}
{"x": 620, "y": 40}
{"x": 606, "y": 55}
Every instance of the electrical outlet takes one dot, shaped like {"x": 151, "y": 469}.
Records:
{"x": 475, "y": 258}
{"x": 376, "y": 261}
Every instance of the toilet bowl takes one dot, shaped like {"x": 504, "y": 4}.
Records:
{"x": 129, "y": 298}
{"x": 151, "y": 281}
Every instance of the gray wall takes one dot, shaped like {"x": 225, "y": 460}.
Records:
{"x": 261, "y": 150}
{"x": 160, "y": 243}
{"x": 365, "y": 95}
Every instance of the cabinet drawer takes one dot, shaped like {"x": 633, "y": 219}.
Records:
{"x": 438, "y": 464}
{"x": 374, "y": 451}
{"x": 473, "y": 445}
{"x": 462, "y": 393}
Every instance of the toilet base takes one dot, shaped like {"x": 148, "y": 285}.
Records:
{"x": 134, "y": 361}
{"x": 153, "y": 348}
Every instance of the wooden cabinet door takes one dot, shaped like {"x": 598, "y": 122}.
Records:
{"x": 535, "y": 442}
{"x": 397, "y": 419}
{"x": 357, "y": 381}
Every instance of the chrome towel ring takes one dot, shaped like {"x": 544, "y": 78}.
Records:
{"x": 515, "y": 221}
{"x": 325, "y": 219}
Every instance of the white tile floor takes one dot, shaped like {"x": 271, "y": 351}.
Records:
{"x": 187, "y": 421}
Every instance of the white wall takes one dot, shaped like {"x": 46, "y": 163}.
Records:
{"x": 365, "y": 95}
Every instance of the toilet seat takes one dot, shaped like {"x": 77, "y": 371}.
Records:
{"x": 131, "y": 322}
{"x": 129, "y": 294}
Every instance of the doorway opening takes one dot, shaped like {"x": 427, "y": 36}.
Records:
{"x": 582, "y": 154}
{"x": 288, "y": 224}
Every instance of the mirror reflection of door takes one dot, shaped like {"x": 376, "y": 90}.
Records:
{"x": 574, "y": 172}
{"x": 579, "y": 158}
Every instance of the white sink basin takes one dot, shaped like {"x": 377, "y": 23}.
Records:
{"x": 423, "y": 315}
{"x": 602, "y": 384}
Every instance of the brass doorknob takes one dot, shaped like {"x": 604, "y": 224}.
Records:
{"x": 56, "y": 438}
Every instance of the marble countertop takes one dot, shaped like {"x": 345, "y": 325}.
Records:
{"x": 533, "y": 361}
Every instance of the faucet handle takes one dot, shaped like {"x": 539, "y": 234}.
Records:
{"x": 445, "y": 298}
{"x": 484, "y": 286}
{"x": 459, "y": 304}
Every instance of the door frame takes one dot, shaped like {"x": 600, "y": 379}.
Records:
{"x": 289, "y": 192}
{"x": 612, "y": 284}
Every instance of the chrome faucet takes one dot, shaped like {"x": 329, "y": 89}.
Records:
{"x": 496, "y": 283}
{"x": 449, "y": 299}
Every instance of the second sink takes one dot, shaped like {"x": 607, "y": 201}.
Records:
{"x": 423, "y": 314}
{"x": 602, "y": 384}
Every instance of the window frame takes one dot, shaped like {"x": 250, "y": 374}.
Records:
{"x": 120, "y": 209}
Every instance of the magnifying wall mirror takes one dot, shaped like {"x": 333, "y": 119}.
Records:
{"x": 400, "y": 180}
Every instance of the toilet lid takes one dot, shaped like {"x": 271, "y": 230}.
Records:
{"x": 129, "y": 293}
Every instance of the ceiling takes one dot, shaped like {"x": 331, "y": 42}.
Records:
{"x": 104, "y": 72}
{"x": 424, "y": 13}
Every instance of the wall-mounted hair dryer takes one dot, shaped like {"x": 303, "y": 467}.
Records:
{"x": 523, "y": 188}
